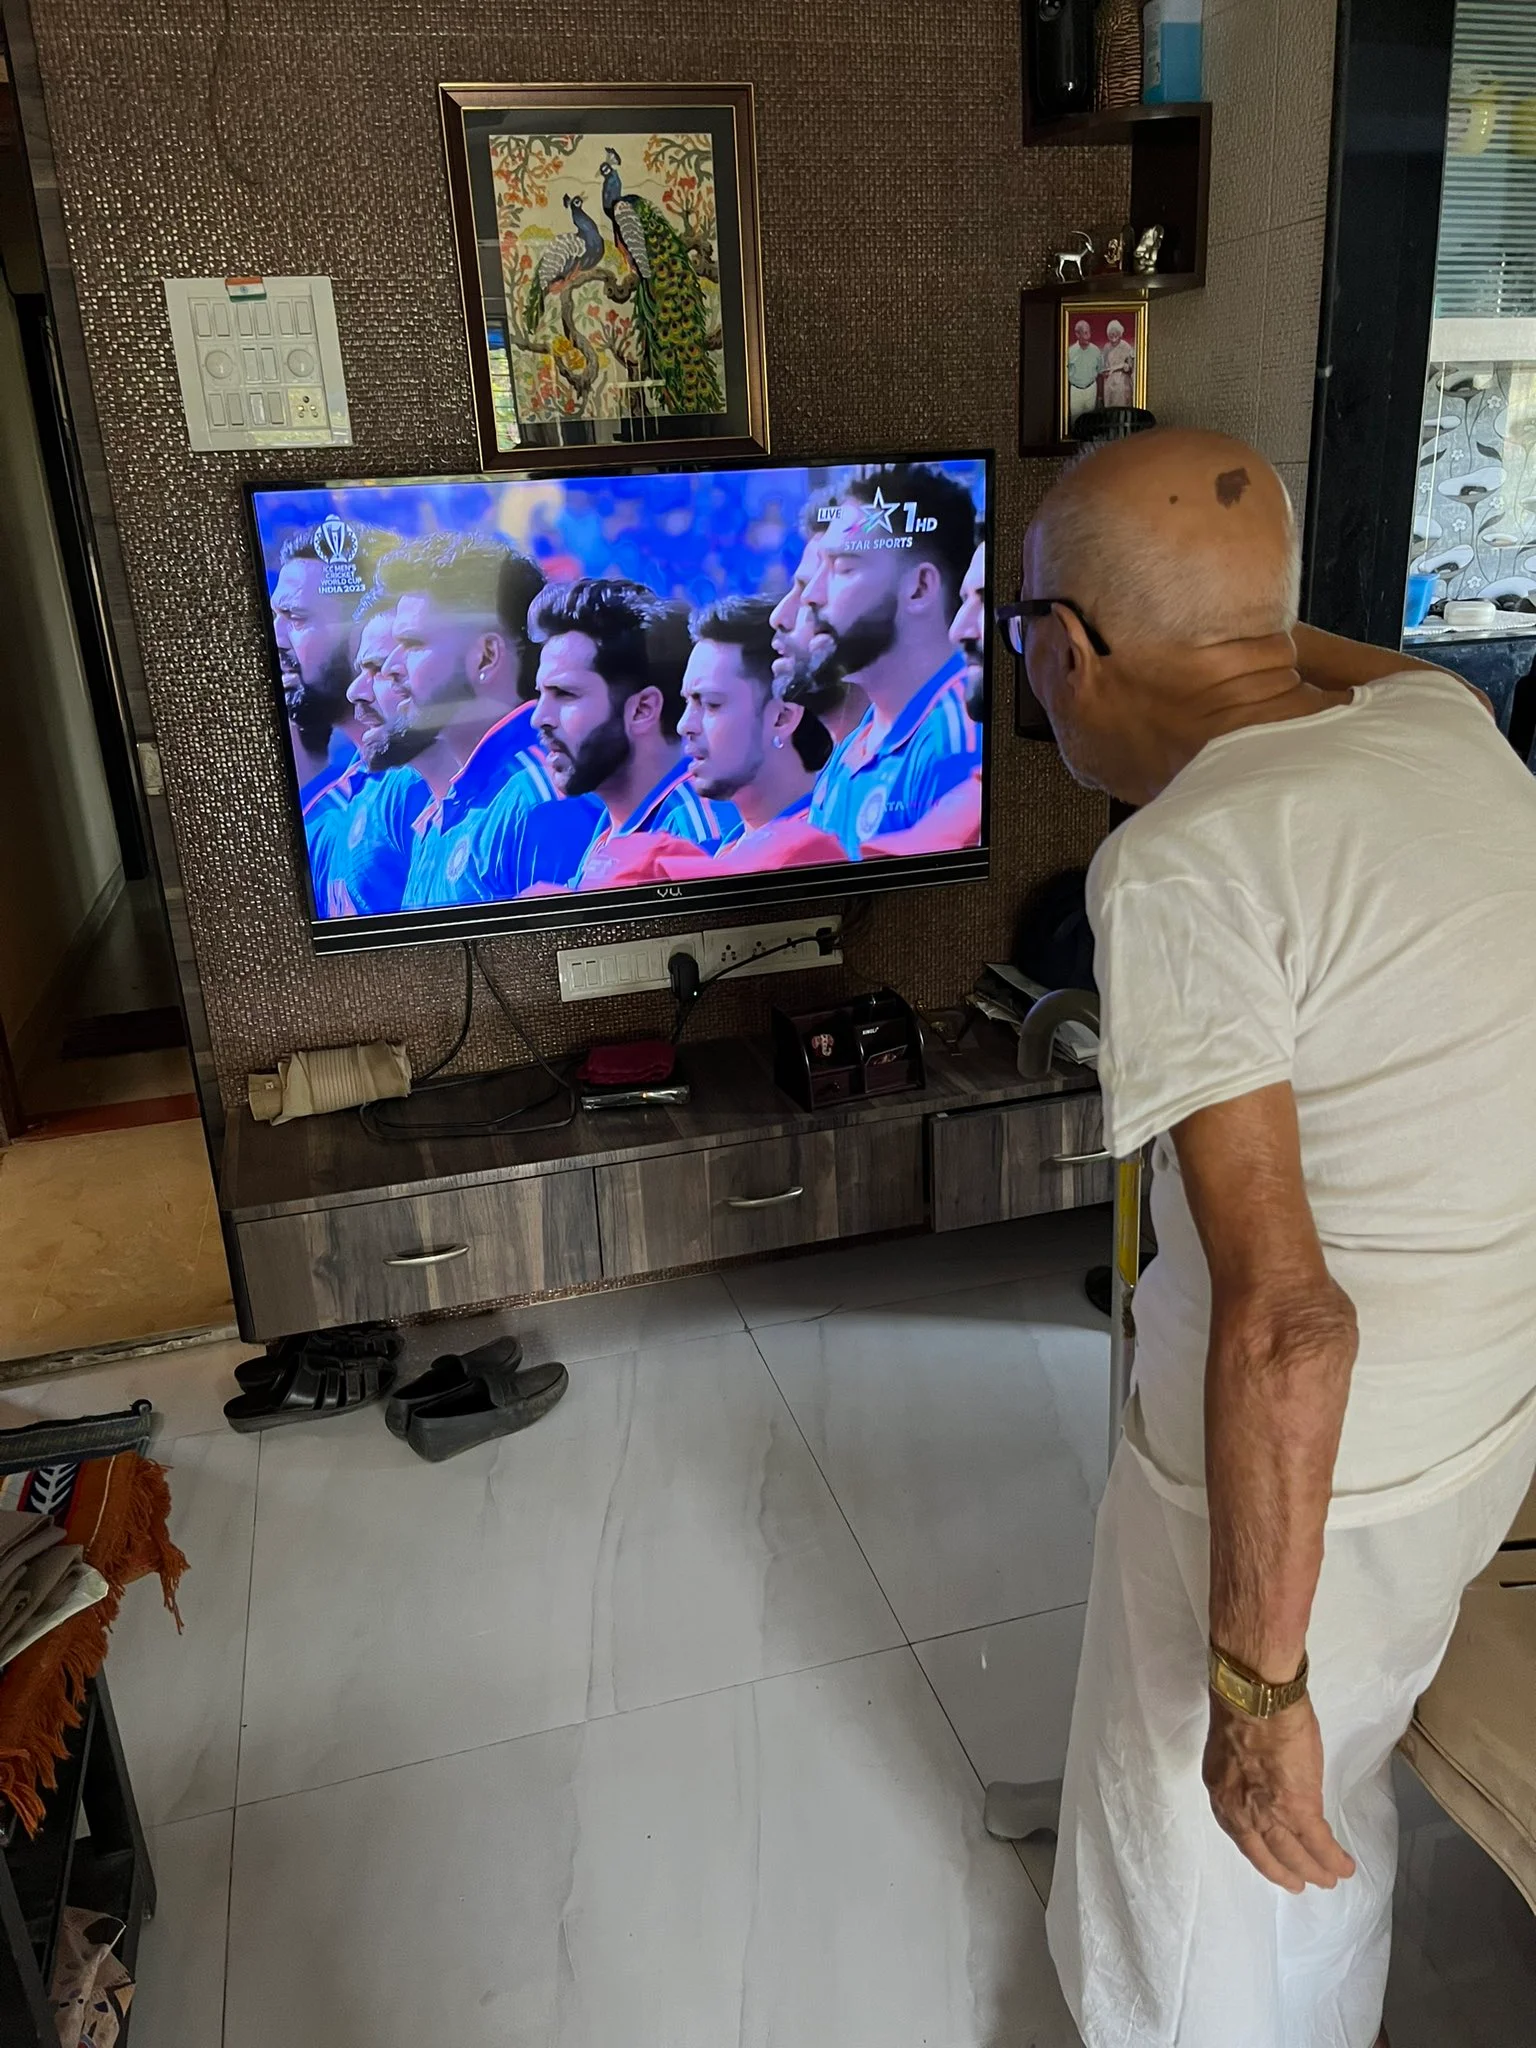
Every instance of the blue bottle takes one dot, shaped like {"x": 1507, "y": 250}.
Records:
{"x": 1171, "y": 52}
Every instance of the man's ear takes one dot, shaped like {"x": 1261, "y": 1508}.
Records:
{"x": 782, "y": 719}
{"x": 642, "y": 711}
{"x": 1079, "y": 658}
{"x": 485, "y": 650}
{"x": 925, "y": 585}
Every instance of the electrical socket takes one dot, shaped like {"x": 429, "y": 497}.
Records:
{"x": 622, "y": 969}
{"x": 734, "y": 952}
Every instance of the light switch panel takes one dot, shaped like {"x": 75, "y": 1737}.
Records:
{"x": 259, "y": 361}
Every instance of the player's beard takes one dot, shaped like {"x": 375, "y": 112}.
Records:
{"x": 599, "y": 757}
{"x": 317, "y": 704}
{"x": 373, "y": 740}
{"x": 412, "y": 730}
{"x": 818, "y": 684}
{"x": 721, "y": 788}
{"x": 975, "y": 681}
{"x": 861, "y": 644}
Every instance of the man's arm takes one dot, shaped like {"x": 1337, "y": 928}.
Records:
{"x": 1282, "y": 1348}
{"x": 1329, "y": 662}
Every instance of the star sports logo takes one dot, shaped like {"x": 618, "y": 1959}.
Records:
{"x": 876, "y": 525}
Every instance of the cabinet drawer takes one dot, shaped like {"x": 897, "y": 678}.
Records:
{"x": 880, "y": 1177}
{"x": 403, "y": 1257}
{"x": 1019, "y": 1160}
{"x": 690, "y": 1208}
{"x": 695, "y": 1206}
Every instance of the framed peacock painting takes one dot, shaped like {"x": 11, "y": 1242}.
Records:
{"x": 608, "y": 253}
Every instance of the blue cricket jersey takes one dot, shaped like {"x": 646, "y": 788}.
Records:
{"x": 340, "y": 756}
{"x": 325, "y": 824}
{"x": 458, "y": 854}
{"x": 799, "y": 807}
{"x": 675, "y": 807}
{"x": 871, "y": 786}
{"x": 555, "y": 840}
{"x": 369, "y": 847}
{"x": 550, "y": 844}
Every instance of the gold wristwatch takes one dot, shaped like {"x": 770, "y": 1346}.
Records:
{"x": 1250, "y": 1694}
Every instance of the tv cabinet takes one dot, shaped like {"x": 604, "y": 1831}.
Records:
{"x": 327, "y": 1225}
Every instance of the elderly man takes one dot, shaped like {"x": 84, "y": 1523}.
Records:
{"x": 1085, "y": 366}
{"x": 1316, "y": 947}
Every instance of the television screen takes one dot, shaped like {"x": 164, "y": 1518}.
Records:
{"x": 539, "y": 700}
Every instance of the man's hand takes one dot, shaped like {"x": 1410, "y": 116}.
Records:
{"x": 1265, "y": 1779}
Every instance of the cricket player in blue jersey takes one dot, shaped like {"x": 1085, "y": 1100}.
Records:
{"x": 454, "y": 679}
{"x": 361, "y": 829}
{"x": 806, "y": 671}
{"x": 322, "y": 575}
{"x": 881, "y": 601}
{"x": 610, "y": 694}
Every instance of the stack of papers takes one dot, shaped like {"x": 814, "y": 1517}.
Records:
{"x": 43, "y": 1580}
{"x": 1007, "y": 996}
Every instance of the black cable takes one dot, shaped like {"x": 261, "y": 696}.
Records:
{"x": 857, "y": 911}
{"x": 469, "y": 1015}
{"x": 559, "y": 1079}
{"x": 686, "y": 1007}
{"x": 384, "y": 1121}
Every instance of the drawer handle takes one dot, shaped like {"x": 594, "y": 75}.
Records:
{"x": 438, "y": 1258}
{"x": 1076, "y": 1158}
{"x": 763, "y": 1201}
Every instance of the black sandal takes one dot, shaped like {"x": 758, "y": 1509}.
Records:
{"x": 361, "y": 1340}
{"x": 495, "y": 1365}
{"x": 465, "y": 1416}
{"x": 309, "y": 1387}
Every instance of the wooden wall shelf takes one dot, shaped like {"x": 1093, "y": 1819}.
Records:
{"x": 1170, "y": 187}
{"x": 1125, "y": 284}
{"x": 1170, "y": 175}
{"x": 1115, "y": 125}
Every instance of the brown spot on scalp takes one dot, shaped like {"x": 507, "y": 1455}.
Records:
{"x": 1230, "y": 486}
{"x": 1173, "y": 497}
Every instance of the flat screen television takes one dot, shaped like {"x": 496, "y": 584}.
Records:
{"x": 518, "y": 702}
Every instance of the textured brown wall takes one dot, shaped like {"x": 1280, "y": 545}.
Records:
{"x": 900, "y": 217}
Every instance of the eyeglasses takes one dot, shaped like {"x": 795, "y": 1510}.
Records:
{"x": 1013, "y": 620}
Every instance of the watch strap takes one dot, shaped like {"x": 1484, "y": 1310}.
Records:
{"x": 1244, "y": 1689}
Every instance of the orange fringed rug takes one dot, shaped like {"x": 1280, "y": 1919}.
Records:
{"x": 118, "y": 1509}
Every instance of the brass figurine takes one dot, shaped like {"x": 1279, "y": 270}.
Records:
{"x": 1144, "y": 261}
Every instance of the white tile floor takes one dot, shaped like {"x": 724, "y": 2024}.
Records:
{"x": 663, "y": 1725}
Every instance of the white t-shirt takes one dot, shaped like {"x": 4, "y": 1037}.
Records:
{"x": 1346, "y": 902}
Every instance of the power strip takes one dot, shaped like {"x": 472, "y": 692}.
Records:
{"x": 635, "y": 964}
{"x": 738, "y": 951}
{"x": 623, "y": 969}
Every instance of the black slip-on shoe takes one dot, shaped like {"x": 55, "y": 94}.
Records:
{"x": 495, "y": 1365}
{"x": 465, "y": 1416}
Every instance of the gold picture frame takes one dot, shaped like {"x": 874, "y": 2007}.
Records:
{"x": 1086, "y": 384}
{"x": 610, "y": 268}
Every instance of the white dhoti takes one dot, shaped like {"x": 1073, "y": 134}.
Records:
{"x": 1163, "y": 1935}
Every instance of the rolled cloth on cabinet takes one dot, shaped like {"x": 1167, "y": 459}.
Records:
{"x": 335, "y": 1077}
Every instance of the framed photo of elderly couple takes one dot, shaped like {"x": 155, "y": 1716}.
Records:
{"x": 1078, "y": 354}
{"x": 607, "y": 239}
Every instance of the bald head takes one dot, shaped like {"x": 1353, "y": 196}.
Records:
{"x": 1170, "y": 538}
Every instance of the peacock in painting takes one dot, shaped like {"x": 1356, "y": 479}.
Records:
{"x": 579, "y": 249}
{"x": 671, "y": 322}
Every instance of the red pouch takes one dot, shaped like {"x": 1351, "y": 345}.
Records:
{"x": 637, "y": 1064}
